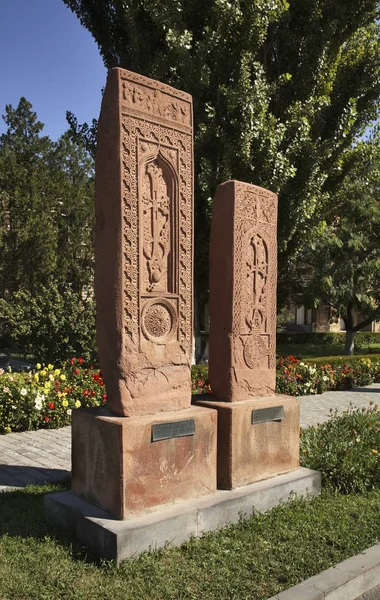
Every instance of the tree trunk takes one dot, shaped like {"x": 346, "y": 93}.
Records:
{"x": 350, "y": 343}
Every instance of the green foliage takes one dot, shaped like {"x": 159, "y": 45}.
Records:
{"x": 53, "y": 325}
{"x": 46, "y": 240}
{"x": 326, "y": 340}
{"x": 346, "y": 449}
{"x": 281, "y": 91}
{"x": 340, "y": 267}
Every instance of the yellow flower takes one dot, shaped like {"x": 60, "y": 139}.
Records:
{"x": 374, "y": 451}
{"x": 8, "y": 429}
{"x": 65, "y": 404}
{"x": 357, "y": 440}
{"x": 63, "y": 377}
{"x": 77, "y": 404}
{"x": 51, "y": 377}
{"x": 36, "y": 376}
{"x": 50, "y": 367}
{"x": 43, "y": 373}
{"x": 57, "y": 372}
{"x": 38, "y": 366}
{"x": 47, "y": 385}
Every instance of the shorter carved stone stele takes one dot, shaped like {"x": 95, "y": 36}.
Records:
{"x": 243, "y": 276}
{"x": 144, "y": 244}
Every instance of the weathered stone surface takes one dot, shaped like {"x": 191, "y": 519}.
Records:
{"x": 243, "y": 279}
{"x": 250, "y": 452}
{"x": 118, "y": 467}
{"x": 144, "y": 244}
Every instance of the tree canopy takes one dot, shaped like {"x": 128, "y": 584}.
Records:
{"x": 46, "y": 234}
{"x": 340, "y": 266}
{"x": 281, "y": 90}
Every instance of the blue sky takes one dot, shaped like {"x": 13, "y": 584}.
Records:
{"x": 48, "y": 57}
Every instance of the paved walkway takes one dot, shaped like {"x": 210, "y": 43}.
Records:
{"x": 44, "y": 455}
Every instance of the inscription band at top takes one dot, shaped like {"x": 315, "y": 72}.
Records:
{"x": 165, "y": 431}
{"x": 264, "y": 415}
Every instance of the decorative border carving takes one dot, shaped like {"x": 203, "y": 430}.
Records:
{"x": 142, "y": 96}
{"x": 134, "y": 129}
{"x": 255, "y": 214}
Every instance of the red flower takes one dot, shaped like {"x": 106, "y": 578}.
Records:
{"x": 80, "y": 360}
{"x": 51, "y": 405}
{"x": 105, "y": 397}
{"x": 46, "y": 419}
{"x": 85, "y": 392}
{"x": 101, "y": 382}
{"x": 73, "y": 360}
{"x": 93, "y": 393}
{"x": 76, "y": 371}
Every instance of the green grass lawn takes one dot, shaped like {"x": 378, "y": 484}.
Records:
{"x": 254, "y": 559}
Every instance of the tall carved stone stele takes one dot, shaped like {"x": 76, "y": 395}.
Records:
{"x": 258, "y": 431}
{"x": 243, "y": 279}
{"x": 144, "y": 244}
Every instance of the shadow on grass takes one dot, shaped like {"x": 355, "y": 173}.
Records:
{"x": 22, "y": 515}
{"x": 18, "y": 476}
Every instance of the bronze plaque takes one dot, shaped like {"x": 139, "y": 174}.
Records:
{"x": 165, "y": 431}
{"x": 264, "y": 415}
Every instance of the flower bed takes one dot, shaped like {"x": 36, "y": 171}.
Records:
{"x": 297, "y": 377}
{"x": 45, "y": 397}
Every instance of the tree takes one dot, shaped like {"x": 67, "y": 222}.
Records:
{"x": 27, "y": 245}
{"x": 46, "y": 235}
{"x": 340, "y": 268}
{"x": 281, "y": 91}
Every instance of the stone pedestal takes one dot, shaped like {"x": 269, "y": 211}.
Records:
{"x": 257, "y": 439}
{"x": 118, "y": 540}
{"x": 128, "y": 466}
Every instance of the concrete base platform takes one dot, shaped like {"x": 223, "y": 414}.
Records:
{"x": 114, "y": 539}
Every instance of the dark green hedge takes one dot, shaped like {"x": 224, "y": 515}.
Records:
{"x": 362, "y": 338}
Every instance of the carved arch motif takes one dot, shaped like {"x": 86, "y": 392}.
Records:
{"x": 159, "y": 229}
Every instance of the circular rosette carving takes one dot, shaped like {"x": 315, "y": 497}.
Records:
{"x": 255, "y": 353}
{"x": 159, "y": 321}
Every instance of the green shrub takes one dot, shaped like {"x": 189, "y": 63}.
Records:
{"x": 53, "y": 326}
{"x": 363, "y": 339}
{"x": 337, "y": 361}
{"x": 346, "y": 449}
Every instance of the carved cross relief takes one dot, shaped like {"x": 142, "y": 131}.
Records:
{"x": 157, "y": 189}
{"x": 257, "y": 276}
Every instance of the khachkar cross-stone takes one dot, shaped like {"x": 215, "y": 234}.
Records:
{"x": 258, "y": 430}
{"x": 144, "y": 244}
{"x": 243, "y": 277}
